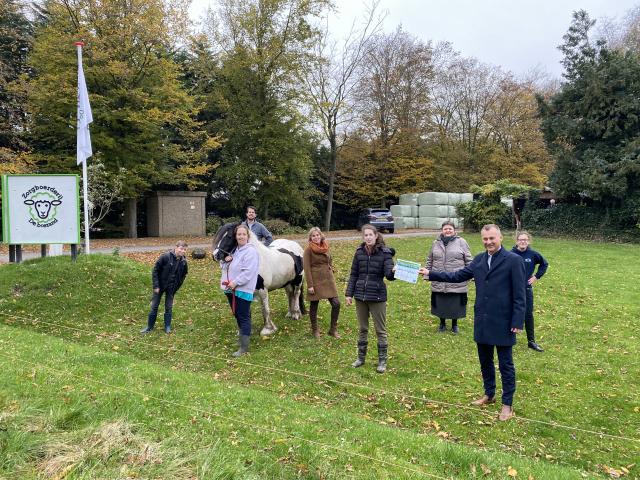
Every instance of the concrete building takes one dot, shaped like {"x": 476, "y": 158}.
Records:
{"x": 175, "y": 214}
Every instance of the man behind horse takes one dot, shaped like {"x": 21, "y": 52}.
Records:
{"x": 258, "y": 229}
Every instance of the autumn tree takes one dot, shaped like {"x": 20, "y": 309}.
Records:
{"x": 393, "y": 106}
{"x": 15, "y": 43}
{"x": 330, "y": 86}
{"x": 144, "y": 120}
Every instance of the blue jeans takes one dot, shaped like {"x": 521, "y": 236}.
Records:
{"x": 507, "y": 371}
{"x": 155, "y": 303}
{"x": 242, "y": 314}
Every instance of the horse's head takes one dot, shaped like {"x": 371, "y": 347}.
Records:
{"x": 224, "y": 241}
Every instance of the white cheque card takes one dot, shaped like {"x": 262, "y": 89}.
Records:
{"x": 407, "y": 271}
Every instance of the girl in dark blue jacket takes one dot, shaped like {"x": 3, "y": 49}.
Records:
{"x": 531, "y": 259}
{"x": 372, "y": 263}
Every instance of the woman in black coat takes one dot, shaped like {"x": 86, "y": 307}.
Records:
{"x": 372, "y": 263}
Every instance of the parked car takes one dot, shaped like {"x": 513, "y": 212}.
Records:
{"x": 380, "y": 218}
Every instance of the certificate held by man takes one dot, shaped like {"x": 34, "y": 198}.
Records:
{"x": 407, "y": 271}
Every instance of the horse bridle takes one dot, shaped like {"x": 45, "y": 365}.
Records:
{"x": 218, "y": 249}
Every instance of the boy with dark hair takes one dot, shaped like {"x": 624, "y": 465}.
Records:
{"x": 167, "y": 275}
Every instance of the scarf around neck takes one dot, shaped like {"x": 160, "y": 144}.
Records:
{"x": 323, "y": 247}
{"x": 446, "y": 240}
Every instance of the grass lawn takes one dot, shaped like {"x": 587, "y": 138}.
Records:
{"x": 77, "y": 376}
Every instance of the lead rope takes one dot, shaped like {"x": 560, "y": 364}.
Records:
{"x": 233, "y": 290}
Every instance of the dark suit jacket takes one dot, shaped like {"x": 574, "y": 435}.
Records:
{"x": 500, "y": 295}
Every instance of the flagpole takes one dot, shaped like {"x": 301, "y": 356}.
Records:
{"x": 85, "y": 190}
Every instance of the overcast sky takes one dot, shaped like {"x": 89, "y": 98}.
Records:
{"x": 518, "y": 35}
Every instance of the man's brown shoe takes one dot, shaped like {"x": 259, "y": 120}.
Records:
{"x": 506, "y": 413}
{"x": 484, "y": 400}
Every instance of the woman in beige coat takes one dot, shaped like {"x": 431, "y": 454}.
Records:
{"x": 318, "y": 273}
{"x": 449, "y": 253}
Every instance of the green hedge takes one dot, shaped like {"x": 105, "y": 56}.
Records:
{"x": 276, "y": 226}
{"x": 585, "y": 222}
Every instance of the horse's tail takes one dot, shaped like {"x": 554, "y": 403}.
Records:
{"x": 303, "y": 309}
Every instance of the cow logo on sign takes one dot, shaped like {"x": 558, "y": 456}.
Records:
{"x": 43, "y": 203}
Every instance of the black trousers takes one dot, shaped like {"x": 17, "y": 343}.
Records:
{"x": 528, "y": 315}
{"x": 242, "y": 313}
{"x": 507, "y": 371}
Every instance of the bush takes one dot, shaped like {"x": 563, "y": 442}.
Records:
{"x": 478, "y": 213}
{"x": 212, "y": 224}
{"x": 278, "y": 227}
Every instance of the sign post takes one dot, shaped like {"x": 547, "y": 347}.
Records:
{"x": 40, "y": 209}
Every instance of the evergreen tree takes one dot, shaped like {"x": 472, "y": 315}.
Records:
{"x": 592, "y": 126}
{"x": 264, "y": 49}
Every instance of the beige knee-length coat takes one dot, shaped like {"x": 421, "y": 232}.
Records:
{"x": 318, "y": 273}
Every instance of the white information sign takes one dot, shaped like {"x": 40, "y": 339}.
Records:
{"x": 407, "y": 271}
{"x": 40, "y": 209}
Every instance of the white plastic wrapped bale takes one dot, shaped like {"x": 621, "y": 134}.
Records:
{"x": 454, "y": 198}
{"x": 398, "y": 223}
{"x": 401, "y": 223}
{"x": 401, "y": 210}
{"x": 457, "y": 222}
{"x": 409, "y": 199}
{"x": 432, "y": 223}
{"x": 466, "y": 197}
{"x": 414, "y": 211}
{"x": 433, "y": 198}
{"x": 433, "y": 211}
{"x": 452, "y": 211}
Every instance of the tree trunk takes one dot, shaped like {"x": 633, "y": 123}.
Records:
{"x": 332, "y": 181}
{"x": 131, "y": 218}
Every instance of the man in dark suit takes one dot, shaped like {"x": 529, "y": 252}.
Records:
{"x": 498, "y": 313}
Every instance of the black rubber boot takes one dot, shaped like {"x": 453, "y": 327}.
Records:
{"x": 382, "y": 358}
{"x": 243, "y": 341}
{"x": 362, "y": 353}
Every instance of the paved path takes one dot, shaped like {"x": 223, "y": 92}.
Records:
{"x": 26, "y": 255}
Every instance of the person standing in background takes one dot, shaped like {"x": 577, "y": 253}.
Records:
{"x": 318, "y": 273}
{"x": 167, "y": 276}
{"x": 449, "y": 253}
{"x": 531, "y": 259}
{"x": 258, "y": 229}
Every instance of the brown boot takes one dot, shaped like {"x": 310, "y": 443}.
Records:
{"x": 314, "y": 328}
{"x": 335, "y": 313}
{"x": 313, "y": 318}
{"x": 484, "y": 400}
{"x": 506, "y": 413}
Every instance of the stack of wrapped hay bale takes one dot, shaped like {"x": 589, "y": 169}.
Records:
{"x": 428, "y": 209}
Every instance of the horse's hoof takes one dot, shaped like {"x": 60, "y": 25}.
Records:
{"x": 265, "y": 332}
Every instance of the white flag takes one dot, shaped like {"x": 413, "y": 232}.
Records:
{"x": 84, "y": 115}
